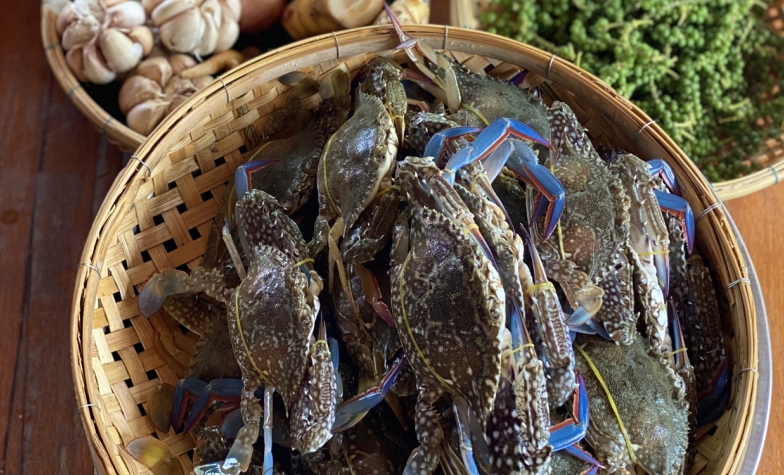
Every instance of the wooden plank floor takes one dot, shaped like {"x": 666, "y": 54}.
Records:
{"x": 54, "y": 171}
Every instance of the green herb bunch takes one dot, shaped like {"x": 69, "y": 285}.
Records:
{"x": 705, "y": 70}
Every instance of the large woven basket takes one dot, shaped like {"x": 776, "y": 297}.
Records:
{"x": 159, "y": 210}
{"x": 769, "y": 158}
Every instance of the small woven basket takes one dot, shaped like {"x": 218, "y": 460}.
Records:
{"x": 158, "y": 213}
{"x": 770, "y": 156}
{"x": 117, "y": 132}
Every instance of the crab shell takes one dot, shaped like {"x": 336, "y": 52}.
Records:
{"x": 650, "y": 403}
{"x": 448, "y": 303}
{"x": 494, "y": 99}
{"x": 271, "y": 317}
{"x": 357, "y": 161}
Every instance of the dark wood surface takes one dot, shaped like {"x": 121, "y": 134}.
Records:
{"x": 55, "y": 171}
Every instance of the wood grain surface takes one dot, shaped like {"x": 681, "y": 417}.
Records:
{"x": 54, "y": 171}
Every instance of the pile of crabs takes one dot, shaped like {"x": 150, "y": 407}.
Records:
{"x": 434, "y": 270}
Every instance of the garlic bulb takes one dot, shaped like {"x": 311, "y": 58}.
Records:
{"x": 198, "y": 27}
{"x": 155, "y": 89}
{"x": 103, "y": 37}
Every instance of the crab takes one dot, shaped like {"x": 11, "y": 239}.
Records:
{"x": 277, "y": 328}
{"x": 358, "y": 160}
{"x": 485, "y": 99}
{"x": 449, "y": 306}
{"x": 589, "y": 256}
{"x": 355, "y": 170}
{"x": 650, "y": 404}
{"x": 286, "y": 167}
{"x": 508, "y": 251}
{"x": 648, "y": 237}
{"x": 289, "y": 159}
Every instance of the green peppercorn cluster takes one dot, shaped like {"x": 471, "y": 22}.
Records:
{"x": 705, "y": 70}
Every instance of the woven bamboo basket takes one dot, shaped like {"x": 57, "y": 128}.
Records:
{"x": 158, "y": 213}
{"x": 769, "y": 158}
{"x": 117, "y": 132}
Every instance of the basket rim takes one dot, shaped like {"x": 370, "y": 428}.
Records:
{"x": 116, "y": 131}
{"x": 340, "y": 45}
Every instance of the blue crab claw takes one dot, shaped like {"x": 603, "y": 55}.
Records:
{"x": 679, "y": 207}
{"x": 187, "y": 389}
{"x": 572, "y": 430}
{"x": 590, "y": 327}
{"x": 243, "y": 174}
{"x": 712, "y": 402}
{"x": 495, "y": 133}
{"x": 436, "y": 146}
{"x": 576, "y": 451}
{"x": 519, "y": 77}
{"x": 352, "y": 411}
{"x": 169, "y": 282}
{"x": 155, "y": 455}
{"x": 525, "y": 165}
{"x": 661, "y": 168}
{"x": 204, "y": 395}
{"x": 462, "y": 419}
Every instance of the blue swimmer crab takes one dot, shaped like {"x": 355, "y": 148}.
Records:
{"x": 456, "y": 349}
{"x": 650, "y": 403}
{"x": 286, "y": 168}
{"x": 271, "y": 336}
{"x": 589, "y": 257}
{"x": 441, "y": 260}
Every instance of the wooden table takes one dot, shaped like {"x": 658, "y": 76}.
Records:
{"x": 55, "y": 171}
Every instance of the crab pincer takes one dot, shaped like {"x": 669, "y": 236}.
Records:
{"x": 499, "y": 145}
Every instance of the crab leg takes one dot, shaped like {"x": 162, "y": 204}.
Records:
{"x": 239, "y": 457}
{"x": 662, "y": 169}
{"x": 172, "y": 282}
{"x": 577, "y": 451}
{"x": 572, "y": 430}
{"x": 268, "y": 393}
{"x": 206, "y": 394}
{"x": 416, "y": 50}
{"x": 712, "y": 402}
{"x": 466, "y": 446}
{"x": 352, "y": 411}
{"x": 244, "y": 173}
{"x": 680, "y": 208}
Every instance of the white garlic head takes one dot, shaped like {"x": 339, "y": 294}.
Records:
{"x": 103, "y": 38}
{"x": 155, "y": 89}
{"x": 197, "y": 27}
